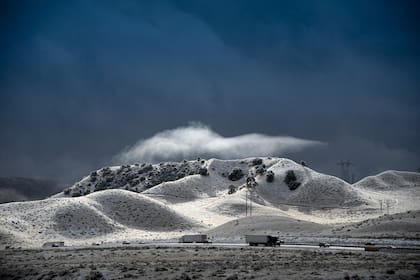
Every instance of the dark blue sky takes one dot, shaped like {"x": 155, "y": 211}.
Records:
{"x": 81, "y": 80}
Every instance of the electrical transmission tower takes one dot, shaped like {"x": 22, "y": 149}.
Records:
{"x": 345, "y": 170}
{"x": 388, "y": 205}
{"x": 250, "y": 186}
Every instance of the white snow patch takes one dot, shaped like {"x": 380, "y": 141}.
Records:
{"x": 199, "y": 203}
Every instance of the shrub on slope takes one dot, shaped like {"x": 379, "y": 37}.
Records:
{"x": 136, "y": 177}
{"x": 298, "y": 185}
{"x": 326, "y": 191}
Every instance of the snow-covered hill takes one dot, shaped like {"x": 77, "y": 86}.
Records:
{"x": 291, "y": 182}
{"x": 96, "y": 217}
{"x": 276, "y": 225}
{"x": 136, "y": 177}
{"x": 400, "y": 225}
{"x": 390, "y": 180}
{"x": 164, "y": 201}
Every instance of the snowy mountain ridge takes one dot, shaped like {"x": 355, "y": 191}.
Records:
{"x": 166, "y": 200}
{"x": 281, "y": 176}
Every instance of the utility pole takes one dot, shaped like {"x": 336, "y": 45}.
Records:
{"x": 380, "y": 205}
{"x": 250, "y": 202}
{"x": 345, "y": 170}
{"x": 250, "y": 185}
{"x": 388, "y": 204}
{"x": 246, "y": 202}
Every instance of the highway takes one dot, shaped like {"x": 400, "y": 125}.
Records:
{"x": 309, "y": 247}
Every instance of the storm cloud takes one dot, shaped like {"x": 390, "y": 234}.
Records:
{"x": 198, "y": 140}
{"x": 81, "y": 80}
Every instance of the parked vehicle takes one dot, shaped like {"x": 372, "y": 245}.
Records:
{"x": 194, "y": 238}
{"x": 324, "y": 244}
{"x": 266, "y": 240}
{"x": 53, "y": 244}
{"x": 371, "y": 248}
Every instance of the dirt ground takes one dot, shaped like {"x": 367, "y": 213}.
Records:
{"x": 199, "y": 262}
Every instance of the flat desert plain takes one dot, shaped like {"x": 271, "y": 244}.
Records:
{"x": 206, "y": 262}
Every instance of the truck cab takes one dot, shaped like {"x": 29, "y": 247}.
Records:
{"x": 266, "y": 240}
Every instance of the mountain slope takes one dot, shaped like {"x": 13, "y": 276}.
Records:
{"x": 164, "y": 201}
{"x": 390, "y": 180}
{"x": 400, "y": 225}
{"x": 21, "y": 188}
{"x": 275, "y": 225}
{"x": 78, "y": 220}
{"x": 292, "y": 183}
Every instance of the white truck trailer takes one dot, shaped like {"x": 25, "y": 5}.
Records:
{"x": 266, "y": 240}
{"x": 194, "y": 238}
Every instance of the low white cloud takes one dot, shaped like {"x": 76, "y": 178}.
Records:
{"x": 198, "y": 140}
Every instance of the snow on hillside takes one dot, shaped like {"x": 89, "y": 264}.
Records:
{"x": 390, "y": 180}
{"x": 273, "y": 225}
{"x": 166, "y": 200}
{"x": 139, "y": 211}
{"x": 312, "y": 188}
{"x": 400, "y": 225}
{"x": 392, "y": 191}
{"x": 292, "y": 183}
{"x": 98, "y": 216}
{"x": 136, "y": 177}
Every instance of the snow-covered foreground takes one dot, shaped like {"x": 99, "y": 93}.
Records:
{"x": 165, "y": 201}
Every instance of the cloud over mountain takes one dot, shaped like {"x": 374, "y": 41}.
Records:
{"x": 197, "y": 140}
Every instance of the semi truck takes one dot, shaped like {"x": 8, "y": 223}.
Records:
{"x": 324, "y": 244}
{"x": 53, "y": 244}
{"x": 266, "y": 240}
{"x": 194, "y": 238}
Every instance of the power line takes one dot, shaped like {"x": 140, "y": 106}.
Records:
{"x": 250, "y": 185}
{"x": 345, "y": 170}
